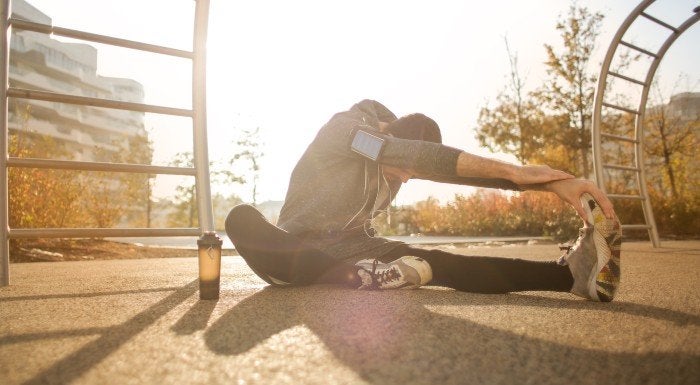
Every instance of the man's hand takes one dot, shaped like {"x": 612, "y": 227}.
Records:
{"x": 570, "y": 191}
{"x": 536, "y": 174}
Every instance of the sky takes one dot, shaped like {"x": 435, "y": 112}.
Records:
{"x": 288, "y": 66}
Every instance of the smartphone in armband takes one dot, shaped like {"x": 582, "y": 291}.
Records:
{"x": 367, "y": 145}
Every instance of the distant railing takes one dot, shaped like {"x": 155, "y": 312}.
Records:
{"x": 197, "y": 113}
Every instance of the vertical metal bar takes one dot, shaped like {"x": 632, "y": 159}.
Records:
{"x": 642, "y": 180}
{"x": 639, "y": 160}
{"x": 600, "y": 93}
{"x": 5, "y": 33}
{"x": 199, "y": 106}
{"x": 639, "y": 126}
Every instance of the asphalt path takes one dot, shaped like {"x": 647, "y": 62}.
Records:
{"x": 141, "y": 322}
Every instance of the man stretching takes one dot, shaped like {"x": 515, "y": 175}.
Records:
{"x": 352, "y": 171}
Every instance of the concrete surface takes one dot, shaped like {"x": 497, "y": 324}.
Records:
{"x": 141, "y": 322}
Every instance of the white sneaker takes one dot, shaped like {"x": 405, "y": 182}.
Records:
{"x": 404, "y": 273}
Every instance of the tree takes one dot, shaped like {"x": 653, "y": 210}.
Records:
{"x": 551, "y": 124}
{"x": 511, "y": 127}
{"x": 40, "y": 198}
{"x": 670, "y": 143}
{"x": 185, "y": 210}
{"x": 50, "y": 198}
{"x": 139, "y": 186}
{"x": 248, "y": 146}
{"x": 569, "y": 89}
{"x": 222, "y": 205}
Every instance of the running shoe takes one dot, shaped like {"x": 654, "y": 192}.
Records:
{"x": 594, "y": 259}
{"x": 404, "y": 273}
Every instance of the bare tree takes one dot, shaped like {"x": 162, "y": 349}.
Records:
{"x": 249, "y": 151}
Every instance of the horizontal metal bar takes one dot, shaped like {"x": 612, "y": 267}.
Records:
{"x": 635, "y": 227}
{"x": 629, "y": 79}
{"x": 631, "y": 111}
{"x": 624, "y": 196}
{"x": 102, "y": 233}
{"x": 659, "y": 22}
{"x": 618, "y": 167}
{"x": 619, "y": 137}
{"x": 95, "y": 102}
{"x": 98, "y": 166}
{"x": 72, "y": 33}
{"x": 642, "y": 50}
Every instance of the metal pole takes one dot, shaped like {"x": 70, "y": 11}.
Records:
{"x": 600, "y": 93}
{"x": 199, "y": 106}
{"x": 95, "y": 102}
{"x": 639, "y": 125}
{"x": 25, "y": 25}
{"x": 5, "y": 33}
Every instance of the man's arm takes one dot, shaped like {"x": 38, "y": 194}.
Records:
{"x": 540, "y": 178}
{"x": 498, "y": 183}
{"x": 470, "y": 165}
{"x": 474, "y": 170}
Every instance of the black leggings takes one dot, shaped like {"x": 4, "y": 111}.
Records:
{"x": 278, "y": 256}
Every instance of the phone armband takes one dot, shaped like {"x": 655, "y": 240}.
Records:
{"x": 367, "y": 145}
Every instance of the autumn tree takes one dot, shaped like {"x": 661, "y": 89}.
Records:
{"x": 49, "y": 198}
{"x": 670, "y": 144}
{"x": 550, "y": 124}
{"x": 40, "y": 198}
{"x": 569, "y": 88}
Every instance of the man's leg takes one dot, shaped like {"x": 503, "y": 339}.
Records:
{"x": 276, "y": 256}
{"x": 489, "y": 274}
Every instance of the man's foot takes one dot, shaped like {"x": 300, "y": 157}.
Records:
{"x": 404, "y": 273}
{"x": 594, "y": 260}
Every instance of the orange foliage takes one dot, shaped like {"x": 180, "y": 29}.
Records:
{"x": 492, "y": 213}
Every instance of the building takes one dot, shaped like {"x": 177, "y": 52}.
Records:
{"x": 39, "y": 62}
{"x": 685, "y": 106}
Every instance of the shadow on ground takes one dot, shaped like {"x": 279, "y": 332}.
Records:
{"x": 394, "y": 338}
{"x": 111, "y": 338}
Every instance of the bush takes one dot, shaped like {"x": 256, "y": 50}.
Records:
{"x": 492, "y": 213}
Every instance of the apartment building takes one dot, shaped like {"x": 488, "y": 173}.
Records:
{"x": 39, "y": 62}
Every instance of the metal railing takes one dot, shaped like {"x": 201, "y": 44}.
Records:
{"x": 637, "y": 140}
{"x": 197, "y": 113}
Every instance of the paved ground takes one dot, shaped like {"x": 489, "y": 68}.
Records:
{"x": 140, "y": 322}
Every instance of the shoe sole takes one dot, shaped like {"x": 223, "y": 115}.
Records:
{"x": 605, "y": 278}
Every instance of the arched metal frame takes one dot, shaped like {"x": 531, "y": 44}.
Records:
{"x": 637, "y": 140}
{"x": 199, "y": 124}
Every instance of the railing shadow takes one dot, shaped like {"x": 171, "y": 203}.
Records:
{"x": 111, "y": 338}
{"x": 86, "y": 295}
